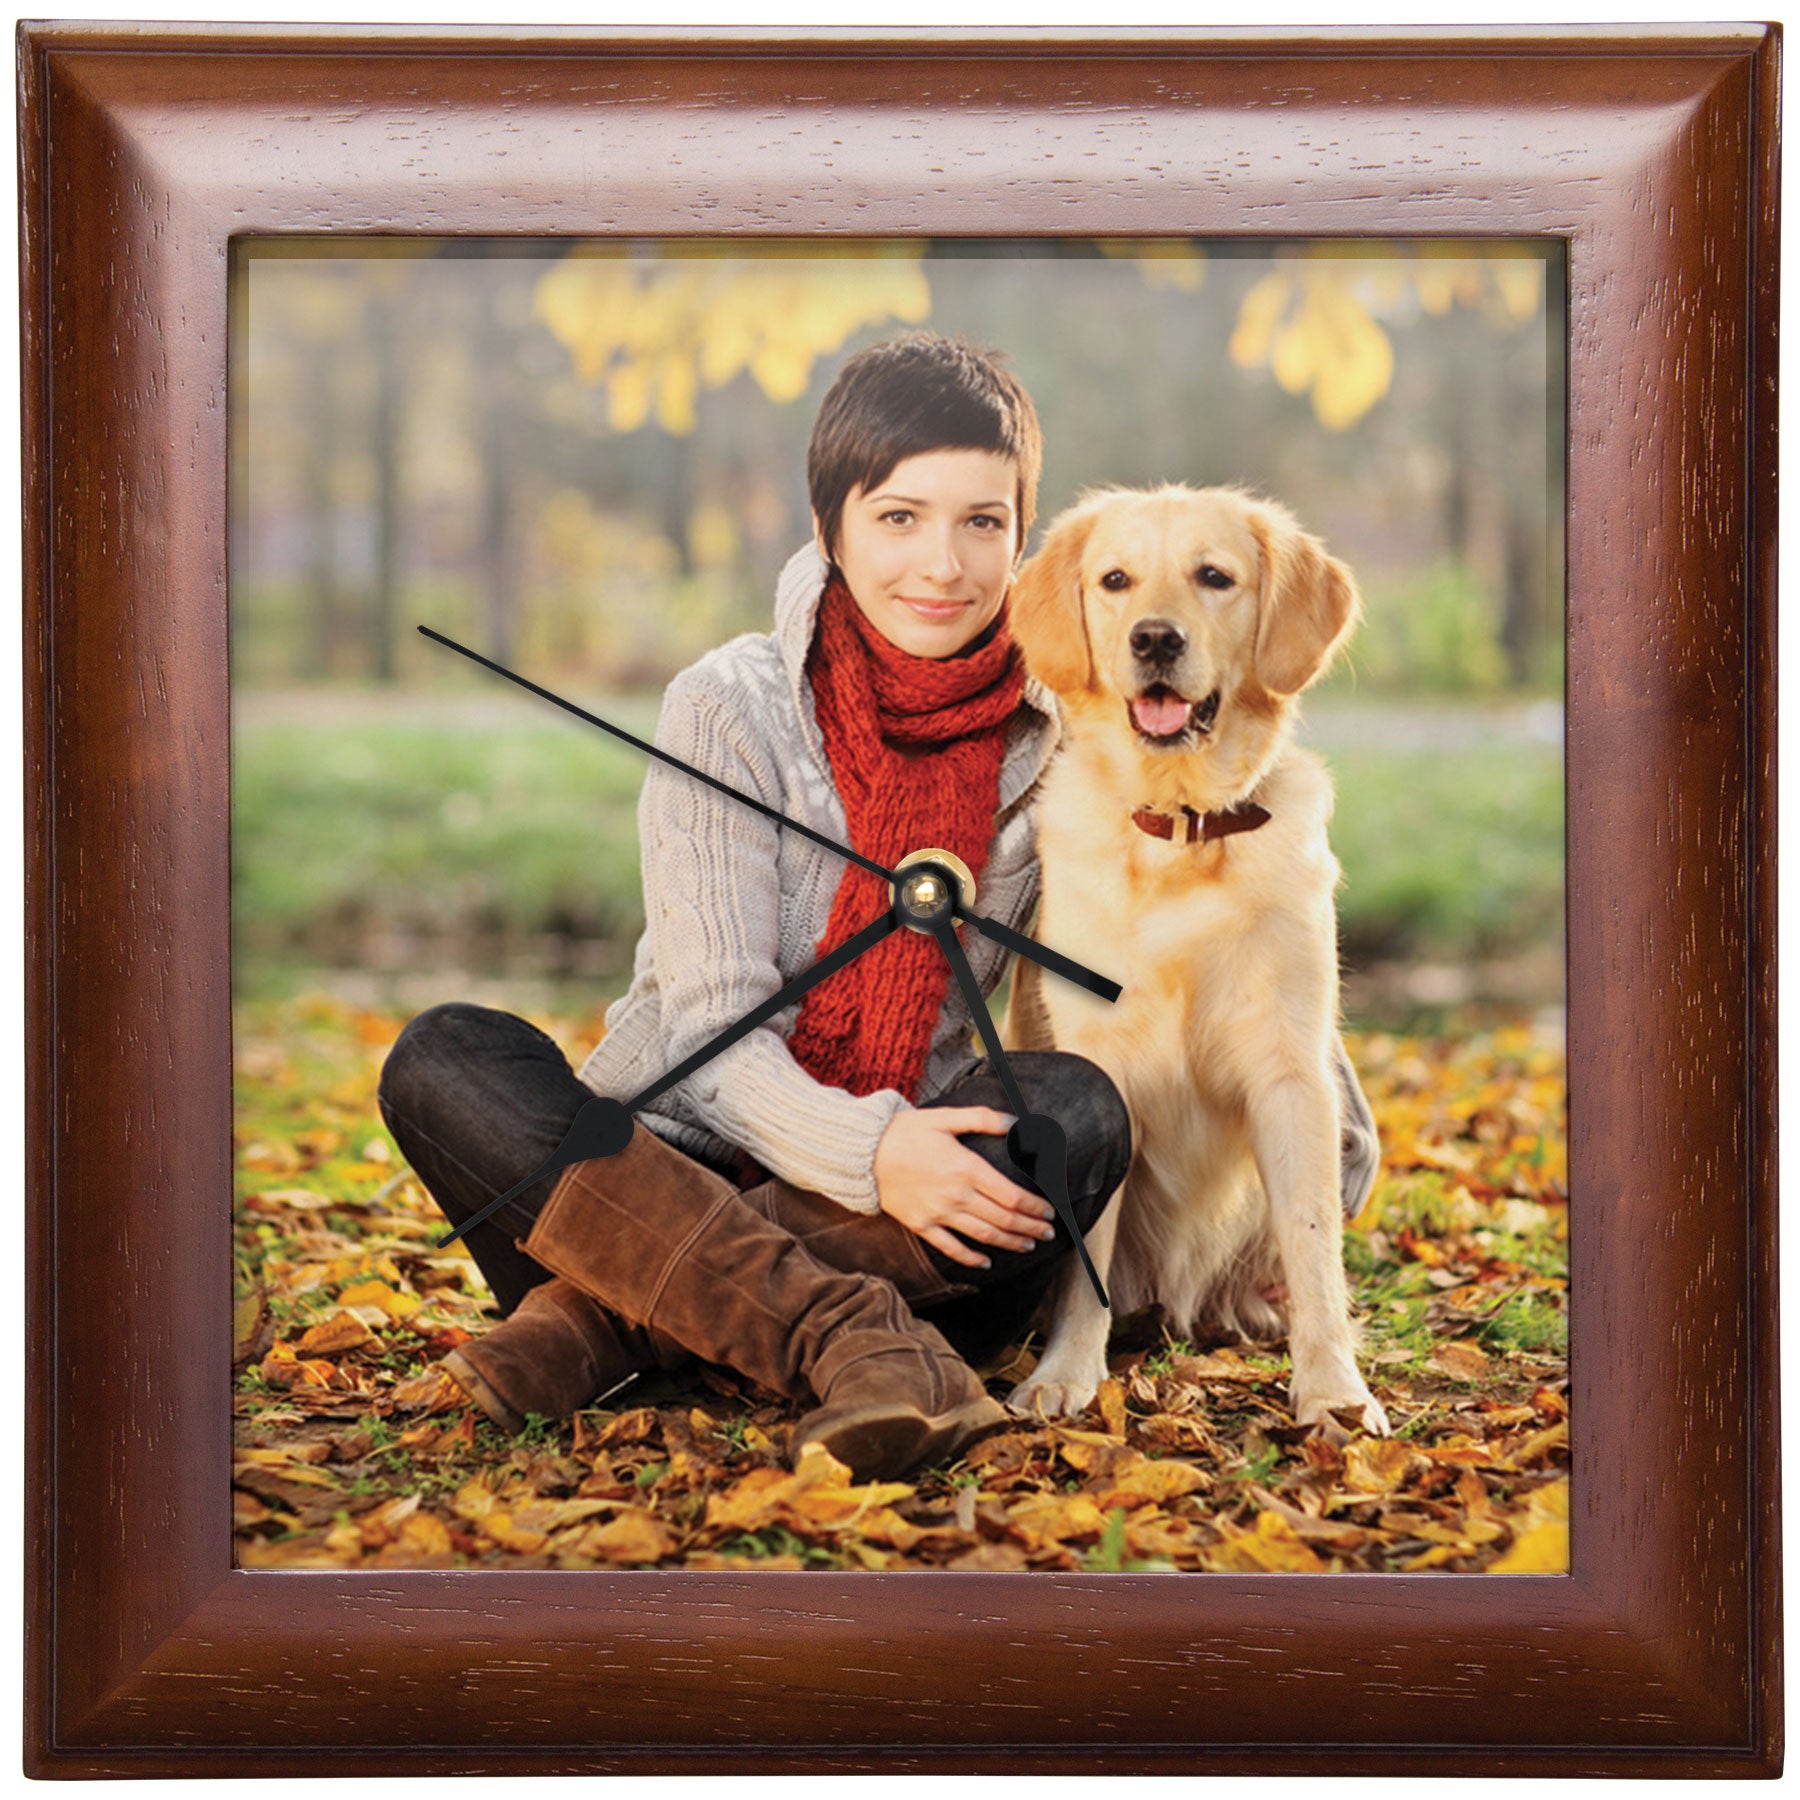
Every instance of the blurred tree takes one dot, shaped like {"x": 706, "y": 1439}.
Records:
{"x": 415, "y": 435}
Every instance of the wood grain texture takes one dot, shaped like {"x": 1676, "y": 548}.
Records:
{"x": 143, "y": 151}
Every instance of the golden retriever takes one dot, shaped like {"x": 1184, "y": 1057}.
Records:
{"x": 1183, "y": 844}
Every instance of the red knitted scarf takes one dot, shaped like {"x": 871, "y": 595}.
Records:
{"x": 915, "y": 745}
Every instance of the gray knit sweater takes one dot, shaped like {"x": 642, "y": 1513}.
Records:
{"x": 736, "y": 906}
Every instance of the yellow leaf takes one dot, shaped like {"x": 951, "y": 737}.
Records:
{"x": 634, "y": 1536}
{"x": 377, "y": 1293}
{"x": 283, "y": 1369}
{"x": 1551, "y": 1501}
{"x": 422, "y": 1542}
{"x": 1538, "y": 1550}
{"x": 556, "y": 1515}
{"x": 381, "y": 1524}
{"x": 1152, "y": 1479}
{"x": 1258, "y": 313}
{"x": 501, "y": 1527}
{"x": 631, "y": 1427}
{"x": 474, "y": 1500}
{"x": 1176, "y": 1431}
{"x": 1436, "y": 1557}
{"x": 307, "y": 1477}
{"x": 828, "y": 1504}
{"x": 1464, "y": 1359}
{"x": 345, "y": 1543}
{"x": 434, "y": 1391}
{"x": 817, "y": 1492}
{"x": 342, "y": 1331}
{"x": 247, "y": 1319}
{"x": 1375, "y": 1465}
{"x": 1111, "y": 1401}
{"x": 1272, "y": 1544}
{"x": 749, "y": 1502}
{"x": 1355, "y": 366}
{"x": 1465, "y": 1534}
{"x": 1055, "y": 1517}
{"x": 1537, "y": 1448}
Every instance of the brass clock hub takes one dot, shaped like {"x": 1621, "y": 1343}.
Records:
{"x": 930, "y": 884}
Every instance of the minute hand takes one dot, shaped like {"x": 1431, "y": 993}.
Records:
{"x": 1042, "y": 1144}
{"x": 603, "y": 1126}
{"x": 1015, "y": 941}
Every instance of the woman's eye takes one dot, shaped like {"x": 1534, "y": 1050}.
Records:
{"x": 1212, "y": 576}
{"x": 899, "y": 516}
{"x": 1115, "y": 581}
{"x": 988, "y": 522}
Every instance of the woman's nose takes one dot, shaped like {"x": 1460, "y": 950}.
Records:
{"x": 941, "y": 562}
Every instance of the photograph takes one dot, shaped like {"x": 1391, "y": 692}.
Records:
{"x": 899, "y": 904}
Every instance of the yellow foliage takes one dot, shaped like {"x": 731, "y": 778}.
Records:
{"x": 1313, "y": 322}
{"x": 1541, "y": 1549}
{"x": 655, "y": 333}
{"x": 1258, "y": 314}
{"x": 1376, "y": 1465}
{"x": 1272, "y": 1544}
{"x": 392, "y": 1301}
{"x": 1148, "y": 1478}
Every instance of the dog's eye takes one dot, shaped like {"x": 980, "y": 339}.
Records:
{"x": 1115, "y": 581}
{"x": 1212, "y": 576}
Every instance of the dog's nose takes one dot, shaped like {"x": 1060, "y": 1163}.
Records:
{"x": 1157, "y": 640}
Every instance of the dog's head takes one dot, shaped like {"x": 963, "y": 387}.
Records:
{"x": 1197, "y": 614}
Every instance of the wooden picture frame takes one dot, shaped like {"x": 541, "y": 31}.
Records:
{"x": 1653, "y": 156}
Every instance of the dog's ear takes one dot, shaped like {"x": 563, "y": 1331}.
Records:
{"x": 1308, "y": 607}
{"x": 1049, "y": 621}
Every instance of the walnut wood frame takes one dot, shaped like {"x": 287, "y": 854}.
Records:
{"x": 1652, "y": 156}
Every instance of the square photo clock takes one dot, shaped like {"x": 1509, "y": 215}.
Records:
{"x": 876, "y": 881}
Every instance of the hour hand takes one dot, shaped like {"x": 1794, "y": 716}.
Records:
{"x": 603, "y": 1126}
{"x": 1037, "y": 1143}
{"x": 1033, "y": 951}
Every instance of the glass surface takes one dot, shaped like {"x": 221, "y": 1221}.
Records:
{"x": 588, "y": 462}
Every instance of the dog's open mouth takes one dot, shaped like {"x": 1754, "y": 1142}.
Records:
{"x": 1162, "y": 715}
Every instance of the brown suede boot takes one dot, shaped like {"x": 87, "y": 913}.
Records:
{"x": 557, "y": 1352}
{"x": 856, "y": 1243}
{"x": 672, "y": 1247}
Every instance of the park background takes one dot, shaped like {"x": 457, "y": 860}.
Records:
{"x": 590, "y": 465}
{"x": 588, "y": 462}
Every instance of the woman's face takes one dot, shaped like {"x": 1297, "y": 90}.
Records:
{"x": 927, "y": 554}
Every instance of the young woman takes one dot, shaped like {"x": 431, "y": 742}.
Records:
{"x": 828, "y": 1206}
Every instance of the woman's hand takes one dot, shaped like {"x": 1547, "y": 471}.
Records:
{"x": 938, "y": 1187}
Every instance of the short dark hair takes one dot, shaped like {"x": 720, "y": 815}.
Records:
{"x": 913, "y": 394}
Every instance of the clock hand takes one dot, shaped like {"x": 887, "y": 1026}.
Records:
{"x": 674, "y": 762}
{"x": 1033, "y": 951}
{"x": 1015, "y": 941}
{"x": 603, "y": 1126}
{"x": 1037, "y": 1143}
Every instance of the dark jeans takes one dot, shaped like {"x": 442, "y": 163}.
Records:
{"x": 477, "y": 1098}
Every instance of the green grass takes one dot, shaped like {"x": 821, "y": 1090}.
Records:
{"x": 1392, "y": 1296}
{"x": 1455, "y": 854}
{"x": 365, "y": 842}
{"x": 395, "y": 834}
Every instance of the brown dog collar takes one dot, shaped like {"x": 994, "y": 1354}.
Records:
{"x": 1186, "y": 826}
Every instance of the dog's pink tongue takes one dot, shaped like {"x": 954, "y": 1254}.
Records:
{"x": 1162, "y": 715}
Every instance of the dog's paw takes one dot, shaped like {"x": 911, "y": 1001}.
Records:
{"x": 1044, "y": 1396}
{"x": 1329, "y": 1412}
